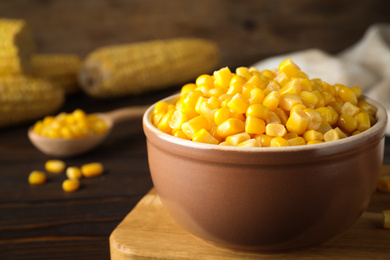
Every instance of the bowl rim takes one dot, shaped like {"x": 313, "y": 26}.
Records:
{"x": 378, "y": 128}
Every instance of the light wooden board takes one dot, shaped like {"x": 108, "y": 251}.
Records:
{"x": 148, "y": 232}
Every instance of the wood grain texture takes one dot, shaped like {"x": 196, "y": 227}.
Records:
{"x": 148, "y": 232}
{"x": 246, "y": 31}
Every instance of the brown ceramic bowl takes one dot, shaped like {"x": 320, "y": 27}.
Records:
{"x": 266, "y": 199}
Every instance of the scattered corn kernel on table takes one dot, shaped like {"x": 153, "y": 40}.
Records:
{"x": 44, "y": 222}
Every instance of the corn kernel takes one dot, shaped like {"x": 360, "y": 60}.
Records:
{"x": 310, "y": 135}
{"x": 204, "y": 80}
{"x": 194, "y": 125}
{"x": 287, "y": 101}
{"x": 292, "y": 87}
{"x": 190, "y": 87}
{"x": 92, "y": 169}
{"x": 321, "y": 101}
{"x": 370, "y": 109}
{"x": 249, "y": 143}
{"x": 315, "y": 118}
{"x": 279, "y": 142}
{"x": 314, "y": 142}
{"x": 340, "y": 132}
{"x": 273, "y": 118}
{"x": 331, "y": 135}
{"x": 347, "y": 95}
{"x": 256, "y": 96}
{"x": 282, "y": 115}
{"x": 55, "y": 166}
{"x": 243, "y": 72}
{"x": 326, "y": 114}
{"x": 259, "y": 81}
{"x": 203, "y": 136}
{"x": 363, "y": 121}
{"x": 347, "y": 123}
{"x": 273, "y": 86}
{"x": 37, "y": 178}
{"x": 177, "y": 120}
{"x": 237, "y": 138}
{"x": 275, "y": 130}
{"x": 239, "y": 104}
{"x": 163, "y": 125}
{"x": 308, "y": 98}
{"x": 180, "y": 134}
{"x": 271, "y": 101}
{"x": 70, "y": 185}
{"x": 289, "y": 68}
{"x": 222, "y": 77}
{"x": 221, "y": 115}
{"x": 297, "y": 122}
{"x": 257, "y": 110}
{"x": 264, "y": 140}
{"x": 230, "y": 127}
{"x": 349, "y": 109}
{"x": 324, "y": 127}
{"x": 299, "y": 140}
{"x": 254, "y": 125}
{"x": 74, "y": 173}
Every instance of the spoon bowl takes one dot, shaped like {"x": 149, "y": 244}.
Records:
{"x": 62, "y": 147}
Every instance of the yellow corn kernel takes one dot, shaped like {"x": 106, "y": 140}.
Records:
{"x": 384, "y": 183}
{"x": 314, "y": 142}
{"x": 205, "y": 80}
{"x": 194, "y": 125}
{"x": 214, "y": 132}
{"x": 289, "y": 68}
{"x": 180, "y": 134}
{"x": 216, "y": 92}
{"x": 92, "y": 169}
{"x": 324, "y": 127}
{"x": 355, "y": 132}
{"x": 237, "y": 138}
{"x": 363, "y": 121}
{"x": 259, "y": 81}
{"x": 225, "y": 99}
{"x": 257, "y": 110}
{"x": 287, "y": 101}
{"x": 275, "y": 130}
{"x": 177, "y": 120}
{"x": 321, "y": 101}
{"x": 386, "y": 219}
{"x": 55, "y": 166}
{"x": 249, "y": 143}
{"x": 198, "y": 103}
{"x": 316, "y": 84}
{"x": 256, "y": 96}
{"x": 221, "y": 115}
{"x": 347, "y": 95}
{"x": 347, "y": 123}
{"x": 306, "y": 85}
{"x": 192, "y": 98}
{"x": 331, "y": 135}
{"x": 264, "y": 140}
{"x": 370, "y": 109}
{"x": 73, "y": 173}
{"x": 37, "y": 178}
{"x": 272, "y": 118}
{"x": 326, "y": 114}
{"x": 349, "y": 109}
{"x": 230, "y": 127}
{"x": 203, "y": 136}
{"x": 297, "y": 122}
{"x": 190, "y": 87}
{"x": 234, "y": 88}
{"x": 315, "y": 118}
{"x": 299, "y": 140}
{"x": 243, "y": 72}
{"x": 308, "y": 99}
{"x": 269, "y": 74}
{"x": 357, "y": 91}
{"x": 224, "y": 144}
{"x": 282, "y": 79}
{"x": 271, "y": 101}
{"x": 70, "y": 185}
{"x": 279, "y": 142}
{"x": 340, "y": 132}
{"x": 334, "y": 115}
{"x": 239, "y": 103}
{"x": 292, "y": 87}
{"x": 254, "y": 125}
{"x": 297, "y": 106}
{"x": 163, "y": 125}
{"x": 237, "y": 115}
{"x": 282, "y": 115}
{"x": 310, "y": 135}
{"x": 273, "y": 86}
{"x": 222, "y": 77}
{"x": 290, "y": 136}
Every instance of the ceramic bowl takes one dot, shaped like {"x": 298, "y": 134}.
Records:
{"x": 266, "y": 199}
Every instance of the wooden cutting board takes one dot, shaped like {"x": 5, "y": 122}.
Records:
{"x": 148, "y": 232}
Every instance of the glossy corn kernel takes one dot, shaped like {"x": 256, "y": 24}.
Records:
{"x": 70, "y": 185}
{"x": 222, "y": 77}
{"x": 308, "y": 99}
{"x": 271, "y": 101}
{"x": 180, "y": 134}
{"x": 178, "y": 118}
{"x": 370, "y": 109}
{"x": 239, "y": 104}
{"x": 203, "y": 136}
{"x": 190, "y": 87}
{"x": 37, "y": 178}
{"x": 259, "y": 81}
{"x": 92, "y": 169}
{"x": 310, "y": 135}
{"x": 205, "y": 80}
{"x": 340, "y": 132}
{"x": 289, "y": 68}
{"x": 383, "y": 184}
{"x": 55, "y": 166}
{"x": 363, "y": 121}
{"x": 254, "y": 125}
{"x": 273, "y": 86}
{"x": 297, "y": 122}
{"x": 264, "y": 140}
{"x": 292, "y": 87}
{"x": 249, "y": 143}
{"x": 279, "y": 142}
{"x": 349, "y": 109}
{"x": 275, "y": 130}
{"x": 347, "y": 123}
{"x": 231, "y": 126}
{"x": 256, "y": 96}
{"x": 299, "y": 140}
{"x": 237, "y": 138}
{"x": 331, "y": 135}
{"x": 163, "y": 125}
{"x": 315, "y": 118}
{"x": 287, "y": 101}
{"x": 73, "y": 173}
{"x": 257, "y": 110}
{"x": 347, "y": 95}
{"x": 194, "y": 125}
{"x": 221, "y": 115}
{"x": 272, "y": 118}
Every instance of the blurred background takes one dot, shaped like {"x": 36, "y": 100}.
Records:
{"x": 246, "y": 31}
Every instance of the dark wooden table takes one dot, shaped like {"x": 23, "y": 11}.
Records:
{"x": 44, "y": 222}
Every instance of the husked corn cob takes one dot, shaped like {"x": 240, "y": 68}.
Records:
{"x": 16, "y": 46}
{"x": 146, "y": 66}
{"x": 24, "y": 98}
{"x": 60, "y": 69}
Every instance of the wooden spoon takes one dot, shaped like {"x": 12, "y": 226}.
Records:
{"x": 61, "y": 147}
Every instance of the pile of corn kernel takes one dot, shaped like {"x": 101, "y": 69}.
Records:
{"x": 73, "y": 173}
{"x": 269, "y": 108}
{"x": 70, "y": 125}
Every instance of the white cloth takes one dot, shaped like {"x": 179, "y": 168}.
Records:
{"x": 365, "y": 64}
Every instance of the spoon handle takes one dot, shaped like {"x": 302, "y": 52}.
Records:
{"x": 126, "y": 113}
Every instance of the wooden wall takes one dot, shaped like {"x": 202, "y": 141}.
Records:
{"x": 246, "y": 31}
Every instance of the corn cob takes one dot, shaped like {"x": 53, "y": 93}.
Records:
{"x": 24, "y": 98}
{"x": 146, "y": 66}
{"x": 16, "y": 46}
{"x": 59, "y": 69}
